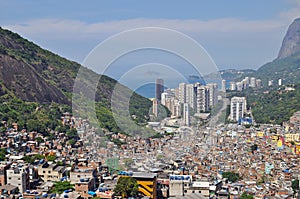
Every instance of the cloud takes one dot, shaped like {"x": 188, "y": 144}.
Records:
{"x": 68, "y": 29}
{"x": 228, "y": 40}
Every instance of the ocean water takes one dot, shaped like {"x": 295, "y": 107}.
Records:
{"x": 148, "y": 90}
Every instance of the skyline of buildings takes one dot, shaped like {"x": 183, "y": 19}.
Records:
{"x": 190, "y": 99}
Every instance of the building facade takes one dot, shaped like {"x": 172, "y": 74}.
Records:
{"x": 237, "y": 108}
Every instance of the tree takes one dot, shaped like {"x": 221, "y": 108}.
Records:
{"x": 254, "y": 148}
{"x": 246, "y": 196}
{"x": 51, "y": 158}
{"x": 231, "y": 176}
{"x": 31, "y": 159}
{"x": 295, "y": 185}
{"x": 2, "y": 154}
{"x": 39, "y": 139}
{"x": 59, "y": 187}
{"x": 126, "y": 187}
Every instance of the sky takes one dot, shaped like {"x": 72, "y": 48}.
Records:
{"x": 235, "y": 34}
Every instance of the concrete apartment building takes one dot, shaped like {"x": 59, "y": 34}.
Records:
{"x": 3, "y": 167}
{"x": 51, "y": 172}
{"x": 202, "y": 99}
{"x": 78, "y": 173}
{"x": 182, "y": 93}
{"x": 18, "y": 175}
{"x": 191, "y": 95}
{"x": 213, "y": 94}
{"x": 85, "y": 185}
{"x": 237, "y": 108}
{"x": 186, "y": 114}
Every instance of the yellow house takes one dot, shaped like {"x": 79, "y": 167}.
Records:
{"x": 147, "y": 182}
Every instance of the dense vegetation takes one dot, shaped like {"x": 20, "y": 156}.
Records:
{"x": 247, "y": 196}
{"x": 295, "y": 185}
{"x": 30, "y": 115}
{"x": 271, "y": 105}
{"x": 231, "y": 176}
{"x": 274, "y": 107}
{"x": 60, "y": 187}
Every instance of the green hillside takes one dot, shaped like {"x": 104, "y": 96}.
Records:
{"x": 287, "y": 69}
{"x": 275, "y": 106}
{"x": 35, "y": 75}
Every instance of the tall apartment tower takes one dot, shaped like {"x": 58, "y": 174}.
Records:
{"x": 237, "y": 108}
{"x": 191, "y": 96}
{"x": 232, "y": 86}
{"x": 202, "y": 99}
{"x": 155, "y": 107}
{"x": 159, "y": 88}
{"x": 252, "y": 82}
{"x": 164, "y": 97}
{"x": 223, "y": 89}
{"x": 186, "y": 114}
{"x": 182, "y": 93}
{"x": 213, "y": 94}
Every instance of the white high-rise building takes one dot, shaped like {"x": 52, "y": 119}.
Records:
{"x": 223, "y": 89}
{"x": 239, "y": 86}
{"x": 202, "y": 99}
{"x": 238, "y": 107}
{"x": 164, "y": 97}
{"x": 191, "y": 96}
{"x": 186, "y": 114}
{"x": 213, "y": 94}
{"x": 279, "y": 82}
{"x": 245, "y": 83}
{"x": 232, "y": 86}
{"x": 182, "y": 93}
{"x": 252, "y": 82}
{"x": 177, "y": 108}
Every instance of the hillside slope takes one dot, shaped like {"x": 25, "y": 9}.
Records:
{"x": 36, "y": 75}
{"x": 287, "y": 69}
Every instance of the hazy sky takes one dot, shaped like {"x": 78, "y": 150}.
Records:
{"x": 236, "y": 34}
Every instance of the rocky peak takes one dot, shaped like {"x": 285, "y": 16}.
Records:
{"x": 291, "y": 41}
